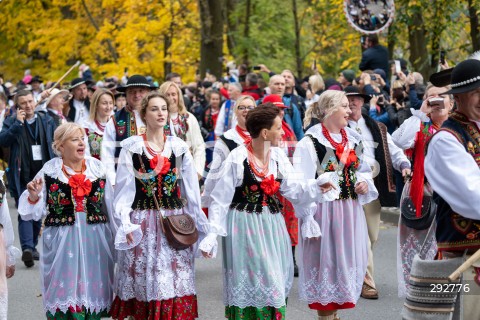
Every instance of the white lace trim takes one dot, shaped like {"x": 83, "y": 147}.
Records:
{"x": 347, "y": 289}
{"x": 3, "y": 306}
{"x": 121, "y": 240}
{"x": 209, "y": 244}
{"x": 53, "y": 167}
{"x": 13, "y": 253}
{"x": 310, "y": 228}
{"x": 243, "y": 295}
{"x": 420, "y": 114}
{"x": 332, "y": 177}
{"x": 93, "y": 306}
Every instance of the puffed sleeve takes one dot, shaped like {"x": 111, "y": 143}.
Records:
{"x": 37, "y": 211}
{"x": 404, "y": 136}
{"x": 122, "y": 203}
{"x": 190, "y": 189}
{"x": 453, "y": 174}
{"x": 221, "y": 197}
{"x": 12, "y": 252}
{"x": 304, "y": 166}
{"x": 220, "y": 153}
{"x": 108, "y": 149}
{"x": 196, "y": 143}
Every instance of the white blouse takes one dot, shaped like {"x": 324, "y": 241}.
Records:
{"x": 305, "y": 160}
{"x": 404, "y": 136}
{"x": 125, "y": 187}
{"x": 12, "y": 252}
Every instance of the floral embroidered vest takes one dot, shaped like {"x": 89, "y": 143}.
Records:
{"x": 455, "y": 232}
{"x": 329, "y": 162}
{"x": 125, "y": 127}
{"x": 95, "y": 143}
{"x": 166, "y": 190}
{"x": 250, "y": 197}
{"x": 61, "y": 206}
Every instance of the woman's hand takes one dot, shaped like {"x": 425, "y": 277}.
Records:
{"x": 34, "y": 188}
{"x": 129, "y": 237}
{"x": 206, "y": 254}
{"x": 327, "y": 187}
{"x": 361, "y": 188}
{"x": 426, "y": 107}
{"x": 10, "y": 271}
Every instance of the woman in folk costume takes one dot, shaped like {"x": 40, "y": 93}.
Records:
{"x": 228, "y": 141}
{"x": 288, "y": 144}
{"x": 257, "y": 255}
{"x": 8, "y": 253}
{"x": 77, "y": 260}
{"x": 413, "y": 136}
{"x": 101, "y": 109}
{"x": 333, "y": 266}
{"x": 154, "y": 280}
{"x": 184, "y": 125}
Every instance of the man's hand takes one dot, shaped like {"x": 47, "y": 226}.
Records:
{"x": 367, "y": 79}
{"x": 406, "y": 172}
{"x": 402, "y": 76}
{"x": 21, "y": 115}
{"x": 263, "y": 68}
{"x": 410, "y": 79}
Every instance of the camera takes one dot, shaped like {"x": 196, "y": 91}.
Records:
{"x": 436, "y": 103}
{"x": 442, "y": 57}
{"x": 256, "y": 68}
{"x": 373, "y": 77}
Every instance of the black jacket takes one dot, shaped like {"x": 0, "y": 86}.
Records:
{"x": 375, "y": 57}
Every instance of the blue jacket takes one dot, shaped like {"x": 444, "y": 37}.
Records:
{"x": 293, "y": 116}
{"x": 11, "y": 137}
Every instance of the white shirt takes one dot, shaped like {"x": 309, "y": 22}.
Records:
{"x": 81, "y": 112}
{"x": 2, "y": 117}
{"x": 5, "y": 220}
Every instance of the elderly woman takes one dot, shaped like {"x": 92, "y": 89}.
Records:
{"x": 8, "y": 253}
{"x": 101, "y": 109}
{"x": 184, "y": 125}
{"x": 154, "y": 280}
{"x": 55, "y": 105}
{"x": 332, "y": 267}
{"x": 412, "y": 136}
{"x": 244, "y": 209}
{"x": 228, "y": 141}
{"x": 77, "y": 261}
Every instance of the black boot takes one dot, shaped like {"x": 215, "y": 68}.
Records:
{"x": 295, "y": 267}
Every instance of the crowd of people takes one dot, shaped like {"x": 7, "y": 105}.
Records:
{"x": 266, "y": 161}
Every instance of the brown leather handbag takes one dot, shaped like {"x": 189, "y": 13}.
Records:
{"x": 180, "y": 229}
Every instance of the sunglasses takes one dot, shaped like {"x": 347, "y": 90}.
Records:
{"x": 243, "y": 108}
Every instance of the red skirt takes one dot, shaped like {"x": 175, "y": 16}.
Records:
{"x": 183, "y": 308}
{"x": 331, "y": 306}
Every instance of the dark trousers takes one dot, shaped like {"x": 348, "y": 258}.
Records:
{"x": 28, "y": 232}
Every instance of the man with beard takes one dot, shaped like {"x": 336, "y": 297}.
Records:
{"x": 79, "y": 104}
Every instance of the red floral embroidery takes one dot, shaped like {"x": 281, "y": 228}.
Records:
{"x": 54, "y": 187}
{"x": 347, "y": 156}
{"x": 64, "y": 201}
{"x": 164, "y": 162}
{"x": 102, "y": 184}
{"x": 269, "y": 185}
{"x": 254, "y": 187}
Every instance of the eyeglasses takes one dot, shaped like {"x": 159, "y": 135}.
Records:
{"x": 243, "y": 108}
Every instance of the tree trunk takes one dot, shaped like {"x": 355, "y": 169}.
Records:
{"x": 167, "y": 66}
{"x": 246, "y": 31}
{"x": 418, "y": 46}
{"x": 474, "y": 25}
{"x": 231, "y": 26}
{"x": 298, "y": 56}
{"x": 211, "y": 49}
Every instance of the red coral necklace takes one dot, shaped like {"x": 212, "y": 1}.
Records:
{"x": 243, "y": 134}
{"x": 334, "y": 144}
{"x": 150, "y": 149}
{"x": 81, "y": 171}
{"x": 263, "y": 169}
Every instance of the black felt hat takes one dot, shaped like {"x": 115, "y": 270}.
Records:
{"x": 353, "y": 91}
{"x": 79, "y": 81}
{"x": 463, "y": 78}
{"x": 136, "y": 81}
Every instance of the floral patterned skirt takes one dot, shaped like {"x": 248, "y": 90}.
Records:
{"x": 290, "y": 220}
{"x": 257, "y": 260}
{"x": 251, "y": 313}
{"x": 184, "y": 308}
{"x": 77, "y": 313}
{"x": 152, "y": 278}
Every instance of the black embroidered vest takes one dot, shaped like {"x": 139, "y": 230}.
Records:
{"x": 250, "y": 197}
{"x": 329, "y": 162}
{"x": 125, "y": 127}
{"x": 166, "y": 191}
{"x": 229, "y": 143}
{"x": 384, "y": 181}
{"x": 61, "y": 206}
{"x": 455, "y": 232}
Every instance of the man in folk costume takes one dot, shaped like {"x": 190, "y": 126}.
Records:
{"x": 381, "y": 154}
{"x": 454, "y": 151}
{"x": 125, "y": 123}
{"x": 79, "y": 104}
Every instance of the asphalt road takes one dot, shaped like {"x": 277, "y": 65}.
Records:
{"x": 25, "y": 301}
